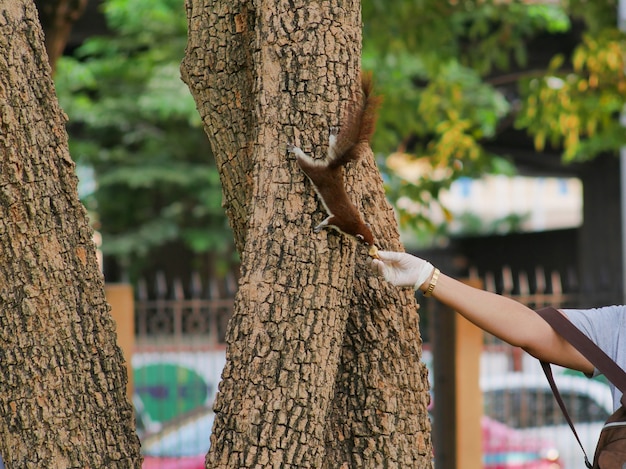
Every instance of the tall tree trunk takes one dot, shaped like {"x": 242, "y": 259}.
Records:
{"x": 57, "y": 18}
{"x": 323, "y": 365}
{"x": 62, "y": 377}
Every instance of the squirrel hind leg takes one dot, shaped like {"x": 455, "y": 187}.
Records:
{"x": 332, "y": 144}
{"x": 322, "y": 225}
{"x": 332, "y": 136}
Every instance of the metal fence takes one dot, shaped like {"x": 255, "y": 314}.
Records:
{"x": 170, "y": 310}
{"x": 171, "y": 313}
{"x": 535, "y": 289}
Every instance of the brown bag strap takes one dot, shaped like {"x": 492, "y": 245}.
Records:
{"x": 557, "y": 395}
{"x": 584, "y": 345}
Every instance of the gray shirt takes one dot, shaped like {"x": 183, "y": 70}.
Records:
{"x": 606, "y": 327}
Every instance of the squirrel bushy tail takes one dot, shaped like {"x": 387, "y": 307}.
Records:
{"x": 357, "y": 127}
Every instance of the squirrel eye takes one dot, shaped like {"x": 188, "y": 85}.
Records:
{"x": 360, "y": 237}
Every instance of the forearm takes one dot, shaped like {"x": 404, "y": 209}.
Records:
{"x": 508, "y": 320}
{"x": 503, "y": 317}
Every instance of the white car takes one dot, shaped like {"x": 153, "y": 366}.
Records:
{"x": 524, "y": 401}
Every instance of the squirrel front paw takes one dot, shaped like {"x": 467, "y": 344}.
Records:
{"x": 296, "y": 151}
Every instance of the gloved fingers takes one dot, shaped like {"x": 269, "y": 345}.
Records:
{"x": 391, "y": 274}
{"x": 377, "y": 266}
{"x": 402, "y": 269}
{"x": 390, "y": 256}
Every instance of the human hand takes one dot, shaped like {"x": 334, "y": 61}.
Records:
{"x": 402, "y": 269}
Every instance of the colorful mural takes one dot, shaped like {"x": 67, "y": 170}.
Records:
{"x": 172, "y": 383}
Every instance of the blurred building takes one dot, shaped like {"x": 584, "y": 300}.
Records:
{"x": 541, "y": 203}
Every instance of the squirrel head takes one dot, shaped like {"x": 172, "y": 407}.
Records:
{"x": 369, "y": 242}
{"x": 365, "y": 236}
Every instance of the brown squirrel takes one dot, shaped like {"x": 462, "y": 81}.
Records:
{"x": 345, "y": 145}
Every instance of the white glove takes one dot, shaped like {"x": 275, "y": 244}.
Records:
{"x": 402, "y": 269}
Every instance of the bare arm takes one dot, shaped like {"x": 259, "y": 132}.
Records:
{"x": 510, "y": 321}
{"x": 503, "y": 317}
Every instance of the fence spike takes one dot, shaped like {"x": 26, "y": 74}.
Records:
{"x": 540, "y": 279}
{"x": 142, "y": 289}
{"x": 178, "y": 290}
{"x": 507, "y": 280}
{"x": 524, "y": 287}
{"x": 196, "y": 285}
{"x": 555, "y": 278}
{"x": 214, "y": 290}
{"x": 161, "y": 285}
{"x": 231, "y": 284}
{"x": 490, "y": 282}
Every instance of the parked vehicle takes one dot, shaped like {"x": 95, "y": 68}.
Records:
{"x": 195, "y": 462}
{"x": 184, "y": 442}
{"x": 524, "y": 401}
{"x": 506, "y": 448}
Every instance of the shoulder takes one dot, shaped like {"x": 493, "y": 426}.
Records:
{"x": 606, "y": 326}
{"x": 597, "y": 322}
{"x": 595, "y": 317}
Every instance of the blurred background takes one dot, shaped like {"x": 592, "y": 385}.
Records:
{"x": 499, "y": 142}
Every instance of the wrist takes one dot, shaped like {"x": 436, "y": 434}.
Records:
{"x": 429, "y": 285}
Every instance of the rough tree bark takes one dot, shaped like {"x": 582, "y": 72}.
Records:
{"x": 323, "y": 364}
{"x": 63, "y": 397}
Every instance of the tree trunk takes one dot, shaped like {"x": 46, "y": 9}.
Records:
{"x": 62, "y": 377}
{"x": 323, "y": 364}
{"x": 57, "y": 18}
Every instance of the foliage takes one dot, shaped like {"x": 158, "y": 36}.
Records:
{"x": 444, "y": 69}
{"x": 133, "y": 120}
{"x": 472, "y": 224}
{"x": 578, "y": 107}
{"x": 441, "y": 66}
